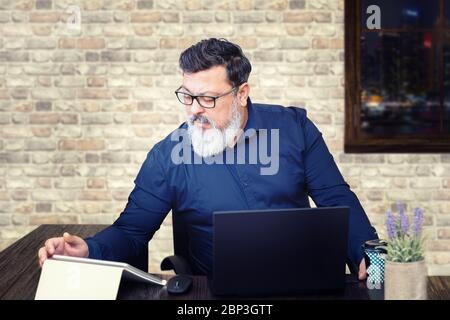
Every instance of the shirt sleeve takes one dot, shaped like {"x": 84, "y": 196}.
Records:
{"x": 126, "y": 240}
{"x": 327, "y": 188}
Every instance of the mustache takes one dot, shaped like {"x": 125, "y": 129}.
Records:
{"x": 200, "y": 118}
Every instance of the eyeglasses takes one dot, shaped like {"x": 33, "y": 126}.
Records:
{"x": 208, "y": 102}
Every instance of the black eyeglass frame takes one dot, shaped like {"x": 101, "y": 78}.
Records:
{"x": 202, "y": 96}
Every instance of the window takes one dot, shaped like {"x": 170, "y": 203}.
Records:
{"x": 397, "y": 76}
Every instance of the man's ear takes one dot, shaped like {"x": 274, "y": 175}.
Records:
{"x": 243, "y": 93}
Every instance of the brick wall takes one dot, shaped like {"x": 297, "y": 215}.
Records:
{"x": 80, "y": 108}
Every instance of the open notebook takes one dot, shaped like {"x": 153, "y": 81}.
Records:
{"x": 129, "y": 272}
{"x": 64, "y": 277}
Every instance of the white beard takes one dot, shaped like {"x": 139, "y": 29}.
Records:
{"x": 212, "y": 141}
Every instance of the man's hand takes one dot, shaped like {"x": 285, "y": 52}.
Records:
{"x": 68, "y": 245}
{"x": 362, "y": 274}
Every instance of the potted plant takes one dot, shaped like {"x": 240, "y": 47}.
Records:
{"x": 405, "y": 268}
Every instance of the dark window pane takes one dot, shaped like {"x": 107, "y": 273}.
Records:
{"x": 447, "y": 83}
{"x": 399, "y": 83}
{"x": 403, "y": 13}
{"x": 447, "y": 12}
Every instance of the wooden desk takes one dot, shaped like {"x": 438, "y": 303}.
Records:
{"x": 19, "y": 274}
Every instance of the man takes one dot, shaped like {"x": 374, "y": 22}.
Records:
{"x": 215, "y": 93}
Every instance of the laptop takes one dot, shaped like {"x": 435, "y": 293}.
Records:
{"x": 279, "y": 252}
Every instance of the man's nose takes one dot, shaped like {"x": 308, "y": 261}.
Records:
{"x": 196, "y": 108}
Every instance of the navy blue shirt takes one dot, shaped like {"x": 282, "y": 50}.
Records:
{"x": 306, "y": 167}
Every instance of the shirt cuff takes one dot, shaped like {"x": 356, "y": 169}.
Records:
{"x": 94, "y": 249}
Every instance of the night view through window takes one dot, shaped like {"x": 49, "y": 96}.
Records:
{"x": 405, "y": 68}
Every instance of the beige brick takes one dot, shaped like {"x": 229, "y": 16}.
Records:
{"x": 42, "y": 30}
{"x": 20, "y": 195}
{"x": 146, "y": 17}
{"x": 38, "y": 219}
{"x": 222, "y": 16}
{"x": 46, "y": 17}
{"x": 19, "y": 16}
{"x": 93, "y": 94}
{"x": 440, "y": 170}
{"x": 16, "y": 30}
{"x": 444, "y": 220}
{"x": 43, "y": 4}
{"x": 14, "y": 56}
{"x": 90, "y": 43}
{"x": 396, "y": 171}
{"x": 322, "y": 17}
{"x": 112, "y": 56}
{"x": 422, "y": 158}
{"x": 426, "y": 183}
{"x": 115, "y": 157}
{"x": 197, "y": 17}
{"x": 441, "y": 195}
{"x": 193, "y": 4}
{"x": 119, "y": 4}
{"x": 248, "y": 17}
{"x": 96, "y": 219}
{"x": 337, "y": 43}
{"x": 295, "y": 30}
{"x": 45, "y": 195}
{"x": 97, "y": 17}
{"x": 82, "y": 144}
{"x": 50, "y": 118}
{"x": 266, "y": 56}
{"x": 297, "y": 4}
{"x": 96, "y": 183}
{"x": 143, "y": 30}
{"x": 20, "y": 220}
{"x": 446, "y": 183}
{"x": 303, "y": 17}
{"x": 5, "y": 17}
{"x": 153, "y": 118}
{"x": 40, "y": 144}
{"x": 271, "y": 4}
{"x": 96, "y": 81}
{"x": 142, "y": 43}
{"x": 41, "y": 132}
{"x": 245, "y": 42}
{"x": 15, "y": 132}
{"x": 95, "y": 195}
{"x": 69, "y": 183}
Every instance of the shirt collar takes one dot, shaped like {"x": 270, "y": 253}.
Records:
{"x": 254, "y": 120}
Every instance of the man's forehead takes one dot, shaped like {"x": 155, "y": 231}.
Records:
{"x": 212, "y": 80}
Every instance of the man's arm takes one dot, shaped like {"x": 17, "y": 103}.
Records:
{"x": 148, "y": 204}
{"x": 327, "y": 188}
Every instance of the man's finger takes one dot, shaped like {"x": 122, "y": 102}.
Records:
{"x": 42, "y": 254}
{"x": 71, "y": 239}
{"x": 362, "y": 274}
{"x": 50, "y": 246}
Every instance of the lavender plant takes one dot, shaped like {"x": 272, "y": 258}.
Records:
{"x": 405, "y": 241}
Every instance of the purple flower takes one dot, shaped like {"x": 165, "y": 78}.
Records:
{"x": 417, "y": 221}
{"x": 404, "y": 223}
{"x": 391, "y": 225}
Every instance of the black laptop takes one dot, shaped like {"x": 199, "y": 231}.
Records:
{"x": 279, "y": 252}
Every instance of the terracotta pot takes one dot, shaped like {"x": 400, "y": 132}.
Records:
{"x": 405, "y": 280}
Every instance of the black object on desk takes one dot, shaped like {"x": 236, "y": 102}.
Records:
{"x": 179, "y": 284}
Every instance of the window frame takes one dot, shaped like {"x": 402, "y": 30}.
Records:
{"x": 357, "y": 141}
